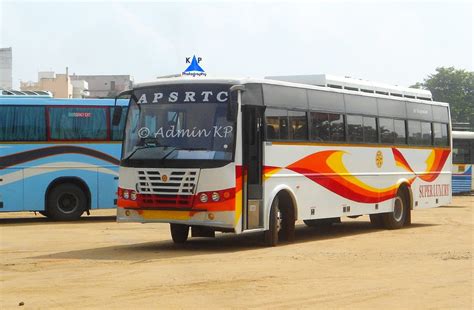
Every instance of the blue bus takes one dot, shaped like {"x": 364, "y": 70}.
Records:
{"x": 58, "y": 156}
{"x": 463, "y": 162}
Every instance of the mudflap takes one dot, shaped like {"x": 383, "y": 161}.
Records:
{"x": 201, "y": 231}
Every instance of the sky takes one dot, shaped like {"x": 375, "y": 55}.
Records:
{"x": 398, "y": 42}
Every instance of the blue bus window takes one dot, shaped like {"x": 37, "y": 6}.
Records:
{"x": 77, "y": 123}
{"x": 22, "y": 123}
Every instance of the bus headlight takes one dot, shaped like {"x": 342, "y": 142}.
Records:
{"x": 133, "y": 195}
{"x": 215, "y": 196}
{"x": 126, "y": 194}
{"x": 203, "y": 197}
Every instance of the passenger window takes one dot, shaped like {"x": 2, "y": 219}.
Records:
{"x": 298, "y": 125}
{"x": 319, "y": 126}
{"x": 22, "y": 123}
{"x": 414, "y": 132}
{"x": 370, "y": 129}
{"x": 426, "y": 133}
{"x": 276, "y": 122}
{"x": 354, "y": 126}
{"x": 440, "y": 134}
{"x": 336, "y": 127}
{"x": 78, "y": 123}
{"x": 387, "y": 130}
{"x": 400, "y": 131}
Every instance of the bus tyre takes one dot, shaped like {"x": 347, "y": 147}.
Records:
{"x": 66, "y": 202}
{"x": 271, "y": 235}
{"x": 396, "y": 219}
{"x": 179, "y": 233}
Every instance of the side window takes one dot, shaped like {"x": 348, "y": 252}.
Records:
{"x": 400, "y": 131}
{"x": 354, "y": 126}
{"x": 440, "y": 134}
{"x": 387, "y": 130}
{"x": 78, "y": 123}
{"x": 22, "y": 123}
{"x": 298, "y": 125}
{"x": 414, "y": 132}
{"x": 370, "y": 130}
{"x": 336, "y": 127}
{"x": 276, "y": 122}
{"x": 426, "y": 133}
{"x": 319, "y": 126}
{"x": 117, "y": 131}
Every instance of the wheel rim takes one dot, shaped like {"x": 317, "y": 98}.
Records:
{"x": 278, "y": 219}
{"x": 398, "y": 209}
{"x": 68, "y": 203}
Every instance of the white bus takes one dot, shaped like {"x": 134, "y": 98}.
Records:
{"x": 240, "y": 155}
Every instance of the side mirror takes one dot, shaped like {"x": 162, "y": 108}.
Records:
{"x": 233, "y": 103}
{"x": 117, "y": 116}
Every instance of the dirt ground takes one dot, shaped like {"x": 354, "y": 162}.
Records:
{"x": 97, "y": 263}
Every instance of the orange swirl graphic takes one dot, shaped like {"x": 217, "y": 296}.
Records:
{"x": 327, "y": 169}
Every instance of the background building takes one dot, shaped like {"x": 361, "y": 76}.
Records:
{"x": 60, "y": 85}
{"x": 6, "y": 68}
{"x": 105, "y": 86}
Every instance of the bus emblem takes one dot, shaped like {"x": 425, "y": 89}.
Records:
{"x": 379, "y": 159}
{"x": 164, "y": 178}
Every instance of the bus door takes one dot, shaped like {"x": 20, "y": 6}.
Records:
{"x": 252, "y": 136}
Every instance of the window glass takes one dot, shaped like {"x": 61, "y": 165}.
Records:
{"x": 354, "y": 126}
{"x": 438, "y": 135}
{"x": 117, "y": 131}
{"x": 462, "y": 152}
{"x": 336, "y": 127}
{"x": 370, "y": 130}
{"x": 298, "y": 125}
{"x": 426, "y": 133}
{"x": 414, "y": 132}
{"x": 400, "y": 131}
{"x": 319, "y": 126}
{"x": 276, "y": 124}
{"x": 78, "y": 123}
{"x": 444, "y": 134}
{"x": 387, "y": 130}
{"x": 22, "y": 123}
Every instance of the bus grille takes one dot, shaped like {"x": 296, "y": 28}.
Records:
{"x": 167, "y": 181}
{"x": 171, "y": 201}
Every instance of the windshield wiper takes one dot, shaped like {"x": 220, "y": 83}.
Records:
{"x": 140, "y": 148}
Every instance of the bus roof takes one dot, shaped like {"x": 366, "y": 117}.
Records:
{"x": 212, "y": 80}
{"x": 463, "y": 135}
{"x": 58, "y": 101}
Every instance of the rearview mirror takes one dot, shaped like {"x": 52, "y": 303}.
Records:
{"x": 117, "y": 116}
{"x": 233, "y": 103}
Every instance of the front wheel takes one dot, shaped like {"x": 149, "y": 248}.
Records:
{"x": 271, "y": 235}
{"x": 179, "y": 233}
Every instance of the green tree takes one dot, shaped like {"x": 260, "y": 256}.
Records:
{"x": 455, "y": 86}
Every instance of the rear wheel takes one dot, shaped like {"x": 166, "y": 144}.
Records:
{"x": 179, "y": 232}
{"x": 66, "y": 202}
{"x": 397, "y": 218}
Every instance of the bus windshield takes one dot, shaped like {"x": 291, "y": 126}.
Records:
{"x": 164, "y": 124}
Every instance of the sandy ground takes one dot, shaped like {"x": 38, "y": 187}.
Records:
{"x": 97, "y": 263}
